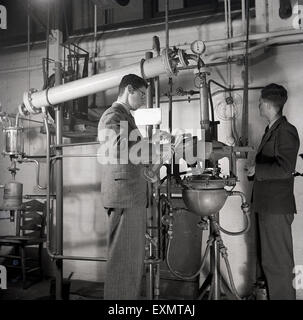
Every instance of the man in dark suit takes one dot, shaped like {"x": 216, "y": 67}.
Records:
{"x": 123, "y": 190}
{"x": 273, "y": 197}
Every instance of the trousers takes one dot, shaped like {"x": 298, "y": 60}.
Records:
{"x": 275, "y": 253}
{"x": 126, "y": 253}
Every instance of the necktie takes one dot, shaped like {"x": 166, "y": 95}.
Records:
{"x": 266, "y": 129}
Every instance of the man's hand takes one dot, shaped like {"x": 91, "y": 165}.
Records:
{"x": 250, "y": 170}
{"x": 161, "y": 136}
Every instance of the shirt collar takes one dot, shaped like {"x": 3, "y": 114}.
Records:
{"x": 273, "y": 121}
{"x": 125, "y": 106}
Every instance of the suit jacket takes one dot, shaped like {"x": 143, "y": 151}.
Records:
{"x": 122, "y": 184}
{"x": 275, "y": 163}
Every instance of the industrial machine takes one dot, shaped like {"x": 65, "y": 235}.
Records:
{"x": 204, "y": 191}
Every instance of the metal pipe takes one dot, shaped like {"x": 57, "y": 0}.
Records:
{"x": 47, "y": 40}
{"x": 210, "y": 43}
{"x": 48, "y": 180}
{"x": 149, "y": 212}
{"x": 156, "y": 47}
{"x": 28, "y": 39}
{"x": 204, "y": 107}
{"x": 246, "y": 212}
{"x": 273, "y": 41}
{"x": 59, "y": 187}
{"x": 149, "y": 94}
{"x": 37, "y": 196}
{"x": 74, "y": 156}
{"x": 37, "y": 171}
{"x": 229, "y": 20}
{"x": 166, "y": 25}
{"x": 244, "y": 133}
{"x": 226, "y": 19}
{"x": 81, "y": 258}
{"x": 90, "y": 85}
{"x": 253, "y": 37}
{"x": 48, "y": 197}
{"x": 243, "y": 15}
{"x": 64, "y": 145}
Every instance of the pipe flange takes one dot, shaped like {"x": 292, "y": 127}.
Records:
{"x": 205, "y": 70}
{"x": 27, "y": 100}
{"x": 182, "y": 57}
{"x": 22, "y": 110}
{"x": 168, "y": 63}
{"x": 142, "y": 68}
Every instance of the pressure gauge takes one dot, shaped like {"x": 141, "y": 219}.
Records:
{"x": 198, "y": 47}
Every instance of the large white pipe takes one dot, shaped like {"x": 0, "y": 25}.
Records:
{"x": 150, "y": 68}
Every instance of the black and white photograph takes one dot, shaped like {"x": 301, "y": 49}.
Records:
{"x": 150, "y": 154}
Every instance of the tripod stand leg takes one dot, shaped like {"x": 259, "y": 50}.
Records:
{"x": 215, "y": 267}
{"x": 206, "y": 284}
{"x": 215, "y": 258}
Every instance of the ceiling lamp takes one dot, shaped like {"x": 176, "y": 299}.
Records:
{"x": 110, "y": 3}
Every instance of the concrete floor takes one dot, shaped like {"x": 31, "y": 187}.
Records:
{"x": 79, "y": 290}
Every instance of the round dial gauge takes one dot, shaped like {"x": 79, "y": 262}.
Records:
{"x": 197, "y": 47}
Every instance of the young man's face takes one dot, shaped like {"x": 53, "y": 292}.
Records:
{"x": 263, "y": 108}
{"x": 136, "y": 97}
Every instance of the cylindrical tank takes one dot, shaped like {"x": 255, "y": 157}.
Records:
{"x": 12, "y": 196}
{"x": 13, "y": 141}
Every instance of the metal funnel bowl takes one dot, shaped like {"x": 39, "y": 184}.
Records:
{"x": 204, "y": 195}
{"x": 204, "y": 202}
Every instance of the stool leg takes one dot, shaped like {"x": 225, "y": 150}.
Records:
{"x": 23, "y": 266}
{"x": 40, "y": 260}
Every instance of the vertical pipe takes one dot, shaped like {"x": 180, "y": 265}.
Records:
{"x": 48, "y": 220}
{"x": 204, "y": 106}
{"x": 149, "y": 211}
{"x": 215, "y": 290}
{"x": 166, "y": 25}
{"x": 229, "y": 19}
{"x": 156, "y": 47}
{"x": 149, "y": 95}
{"x": 47, "y": 40}
{"x": 243, "y": 16}
{"x": 244, "y": 133}
{"x": 226, "y": 18}
{"x": 170, "y": 100}
{"x": 28, "y": 59}
{"x": 28, "y": 40}
{"x": 95, "y": 47}
{"x": 59, "y": 188}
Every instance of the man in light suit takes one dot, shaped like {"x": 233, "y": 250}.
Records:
{"x": 123, "y": 191}
{"x": 273, "y": 197}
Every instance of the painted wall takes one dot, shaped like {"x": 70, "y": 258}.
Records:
{"x": 84, "y": 219}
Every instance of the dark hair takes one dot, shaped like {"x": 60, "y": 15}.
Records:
{"x": 131, "y": 79}
{"x": 276, "y": 94}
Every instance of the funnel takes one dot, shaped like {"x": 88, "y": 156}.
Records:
{"x": 204, "y": 202}
{"x": 204, "y": 195}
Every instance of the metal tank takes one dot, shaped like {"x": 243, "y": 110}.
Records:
{"x": 13, "y": 141}
{"x": 12, "y": 196}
